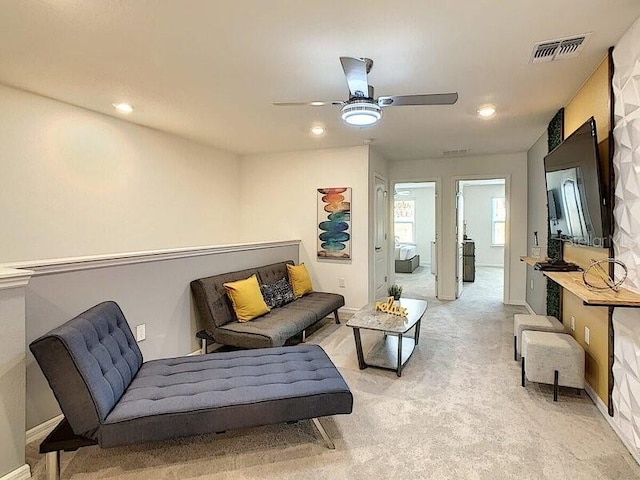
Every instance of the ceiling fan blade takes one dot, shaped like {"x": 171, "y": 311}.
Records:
{"x": 430, "y": 99}
{"x": 315, "y": 103}
{"x": 355, "y": 69}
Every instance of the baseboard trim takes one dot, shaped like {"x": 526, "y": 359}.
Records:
{"x": 528, "y": 307}
{"x": 43, "y": 429}
{"x": 446, "y": 297}
{"x": 20, "y": 473}
{"x": 349, "y": 310}
{"x": 602, "y": 408}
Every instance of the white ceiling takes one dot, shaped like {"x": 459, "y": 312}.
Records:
{"x": 209, "y": 70}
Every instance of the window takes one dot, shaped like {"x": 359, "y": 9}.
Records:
{"x": 498, "y": 219}
{"x": 404, "y": 220}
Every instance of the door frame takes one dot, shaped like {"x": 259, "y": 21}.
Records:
{"x": 506, "y": 289}
{"x": 438, "y": 222}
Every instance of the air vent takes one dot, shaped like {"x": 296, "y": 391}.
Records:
{"x": 455, "y": 153}
{"x": 559, "y": 49}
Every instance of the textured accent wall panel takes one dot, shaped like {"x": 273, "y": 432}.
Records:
{"x": 626, "y": 237}
{"x": 626, "y": 371}
{"x": 626, "y": 160}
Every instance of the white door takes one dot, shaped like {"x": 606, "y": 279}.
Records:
{"x": 459, "y": 239}
{"x": 380, "y": 238}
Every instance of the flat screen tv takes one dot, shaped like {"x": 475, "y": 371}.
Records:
{"x": 576, "y": 192}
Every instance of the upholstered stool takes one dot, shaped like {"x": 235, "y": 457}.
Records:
{"x": 552, "y": 358}
{"x": 539, "y": 323}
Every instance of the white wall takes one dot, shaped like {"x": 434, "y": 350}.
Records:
{"x": 512, "y": 165}
{"x": 425, "y": 220}
{"x": 279, "y": 198}
{"x": 477, "y": 217}
{"x": 626, "y": 162}
{"x": 537, "y": 221}
{"x": 79, "y": 183}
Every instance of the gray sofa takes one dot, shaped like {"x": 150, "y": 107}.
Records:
{"x": 110, "y": 397}
{"x": 271, "y": 330}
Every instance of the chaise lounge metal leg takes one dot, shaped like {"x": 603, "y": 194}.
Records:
{"x": 323, "y": 433}
{"x": 555, "y": 385}
{"x": 53, "y": 465}
{"x": 515, "y": 348}
{"x": 335, "y": 315}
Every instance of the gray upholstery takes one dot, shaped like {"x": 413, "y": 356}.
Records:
{"x": 270, "y": 330}
{"x": 89, "y": 362}
{"x": 212, "y": 300}
{"x": 107, "y": 394}
{"x": 201, "y": 394}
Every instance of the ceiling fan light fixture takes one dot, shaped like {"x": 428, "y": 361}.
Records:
{"x": 361, "y": 114}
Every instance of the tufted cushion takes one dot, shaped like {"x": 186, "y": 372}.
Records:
{"x": 201, "y": 394}
{"x": 212, "y": 301}
{"x": 321, "y": 303}
{"x": 271, "y": 330}
{"x": 274, "y": 272}
{"x": 89, "y": 362}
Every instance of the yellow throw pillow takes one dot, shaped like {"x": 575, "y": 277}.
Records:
{"x": 246, "y": 298}
{"x": 299, "y": 279}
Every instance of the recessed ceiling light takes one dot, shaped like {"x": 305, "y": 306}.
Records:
{"x": 486, "y": 111}
{"x": 123, "y": 107}
{"x": 317, "y": 130}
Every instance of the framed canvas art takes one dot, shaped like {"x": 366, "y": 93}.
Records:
{"x": 334, "y": 223}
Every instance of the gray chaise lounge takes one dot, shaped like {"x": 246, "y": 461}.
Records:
{"x": 110, "y": 397}
{"x": 270, "y": 330}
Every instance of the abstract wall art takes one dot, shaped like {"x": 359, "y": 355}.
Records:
{"x": 334, "y": 223}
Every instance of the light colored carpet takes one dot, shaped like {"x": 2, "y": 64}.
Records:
{"x": 458, "y": 412}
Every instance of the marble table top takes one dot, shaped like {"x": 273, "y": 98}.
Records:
{"x": 367, "y": 317}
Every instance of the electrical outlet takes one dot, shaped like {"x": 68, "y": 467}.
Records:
{"x": 531, "y": 284}
{"x": 341, "y": 282}
{"x": 586, "y": 335}
{"x": 141, "y": 332}
{"x": 573, "y": 323}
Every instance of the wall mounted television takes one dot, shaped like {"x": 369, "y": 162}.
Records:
{"x": 577, "y": 204}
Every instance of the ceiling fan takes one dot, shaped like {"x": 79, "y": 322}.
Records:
{"x": 363, "y": 109}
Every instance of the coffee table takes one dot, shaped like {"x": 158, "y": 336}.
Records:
{"x": 394, "y": 350}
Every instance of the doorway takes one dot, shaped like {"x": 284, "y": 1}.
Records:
{"x": 481, "y": 236}
{"x": 415, "y": 237}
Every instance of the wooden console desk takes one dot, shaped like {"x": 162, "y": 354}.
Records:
{"x": 572, "y": 281}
